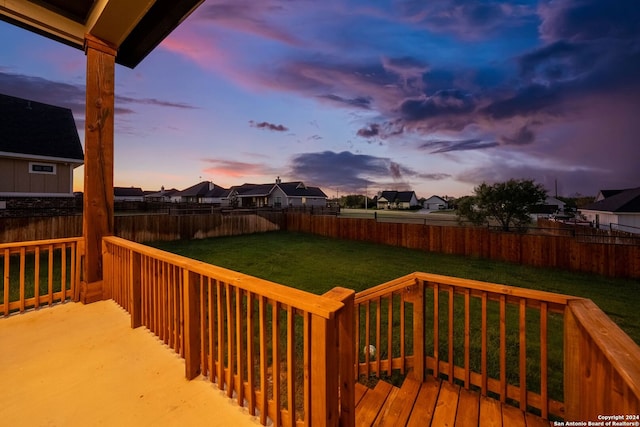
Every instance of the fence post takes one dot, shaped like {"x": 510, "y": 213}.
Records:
{"x": 345, "y": 320}
{"x": 135, "y": 299}
{"x": 191, "y": 301}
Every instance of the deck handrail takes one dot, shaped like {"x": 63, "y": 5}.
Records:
{"x": 274, "y": 349}
{"x": 434, "y": 313}
{"x": 25, "y": 263}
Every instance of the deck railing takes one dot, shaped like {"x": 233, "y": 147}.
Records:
{"x": 40, "y": 272}
{"x": 537, "y": 350}
{"x": 272, "y": 348}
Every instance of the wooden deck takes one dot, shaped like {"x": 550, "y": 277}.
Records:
{"x": 435, "y": 403}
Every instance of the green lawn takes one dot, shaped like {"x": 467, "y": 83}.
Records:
{"x": 317, "y": 264}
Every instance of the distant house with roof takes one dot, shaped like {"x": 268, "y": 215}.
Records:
{"x": 435, "y": 203}
{"x": 159, "y": 196}
{"x": 39, "y": 149}
{"x": 251, "y": 195}
{"x": 616, "y": 209}
{"x": 128, "y": 194}
{"x": 278, "y": 195}
{"x": 203, "y": 192}
{"x": 296, "y": 194}
{"x": 397, "y": 200}
{"x": 218, "y": 196}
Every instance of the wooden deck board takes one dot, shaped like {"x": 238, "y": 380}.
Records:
{"x": 446, "y": 406}
{"x": 425, "y": 404}
{"x": 490, "y": 413}
{"x": 468, "y": 408}
{"x": 371, "y": 404}
{"x": 400, "y": 409}
{"x": 435, "y": 403}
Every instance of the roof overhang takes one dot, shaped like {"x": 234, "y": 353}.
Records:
{"x": 133, "y": 27}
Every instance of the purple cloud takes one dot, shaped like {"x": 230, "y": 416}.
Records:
{"x": 268, "y": 126}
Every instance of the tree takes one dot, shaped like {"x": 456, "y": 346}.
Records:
{"x": 509, "y": 203}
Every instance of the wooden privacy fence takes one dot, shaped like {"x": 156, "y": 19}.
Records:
{"x": 535, "y": 250}
{"x": 505, "y": 342}
{"x": 144, "y": 228}
{"x": 39, "y": 272}
{"x": 274, "y": 349}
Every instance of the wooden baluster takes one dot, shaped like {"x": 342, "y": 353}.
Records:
{"x": 483, "y": 351}
{"x": 240, "y": 356}
{"x": 503, "y": 348}
{"x": 50, "y": 275}
{"x": 467, "y": 338}
{"x": 523, "y": 354}
{"x": 367, "y": 329}
{"x": 419, "y": 360}
{"x": 291, "y": 366}
{"x": 230, "y": 337}
{"x": 36, "y": 276}
{"x": 378, "y": 335}
{"x": 212, "y": 315}
{"x": 544, "y": 362}
{"x": 263, "y": 404}
{"x": 191, "y": 303}
{"x": 204, "y": 325}
{"x": 450, "y": 357}
{"x": 390, "y": 333}
{"x": 250, "y": 355}
{"x": 63, "y": 273}
{"x": 436, "y": 330}
{"x": 275, "y": 360}
{"x": 135, "y": 289}
{"x": 402, "y": 334}
{"x": 221, "y": 338}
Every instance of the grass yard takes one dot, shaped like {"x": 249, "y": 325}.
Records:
{"x": 317, "y": 264}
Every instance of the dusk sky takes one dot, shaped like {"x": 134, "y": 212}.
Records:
{"x": 363, "y": 95}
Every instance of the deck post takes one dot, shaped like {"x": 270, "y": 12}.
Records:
{"x": 324, "y": 372}
{"x": 345, "y": 320}
{"x": 97, "y": 218}
{"x": 191, "y": 298}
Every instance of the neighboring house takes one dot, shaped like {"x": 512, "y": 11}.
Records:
{"x": 619, "y": 211}
{"x": 603, "y": 194}
{"x": 193, "y": 194}
{"x": 128, "y": 194}
{"x": 159, "y": 196}
{"x": 251, "y": 195}
{"x": 218, "y": 196}
{"x": 397, "y": 200}
{"x": 550, "y": 207}
{"x": 278, "y": 195}
{"x": 296, "y": 194}
{"x": 39, "y": 149}
{"x": 435, "y": 203}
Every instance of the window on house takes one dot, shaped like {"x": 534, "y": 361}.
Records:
{"x": 46, "y": 168}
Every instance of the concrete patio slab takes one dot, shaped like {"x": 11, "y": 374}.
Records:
{"x": 82, "y": 365}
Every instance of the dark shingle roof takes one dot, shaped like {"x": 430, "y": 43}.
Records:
{"x": 217, "y": 191}
{"x": 198, "y": 190}
{"x": 298, "y": 189}
{"x": 36, "y": 129}
{"x": 397, "y": 196}
{"x": 128, "y": 192}
{"x": 253, "y": 189}
{"x": 624, "y": 201}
